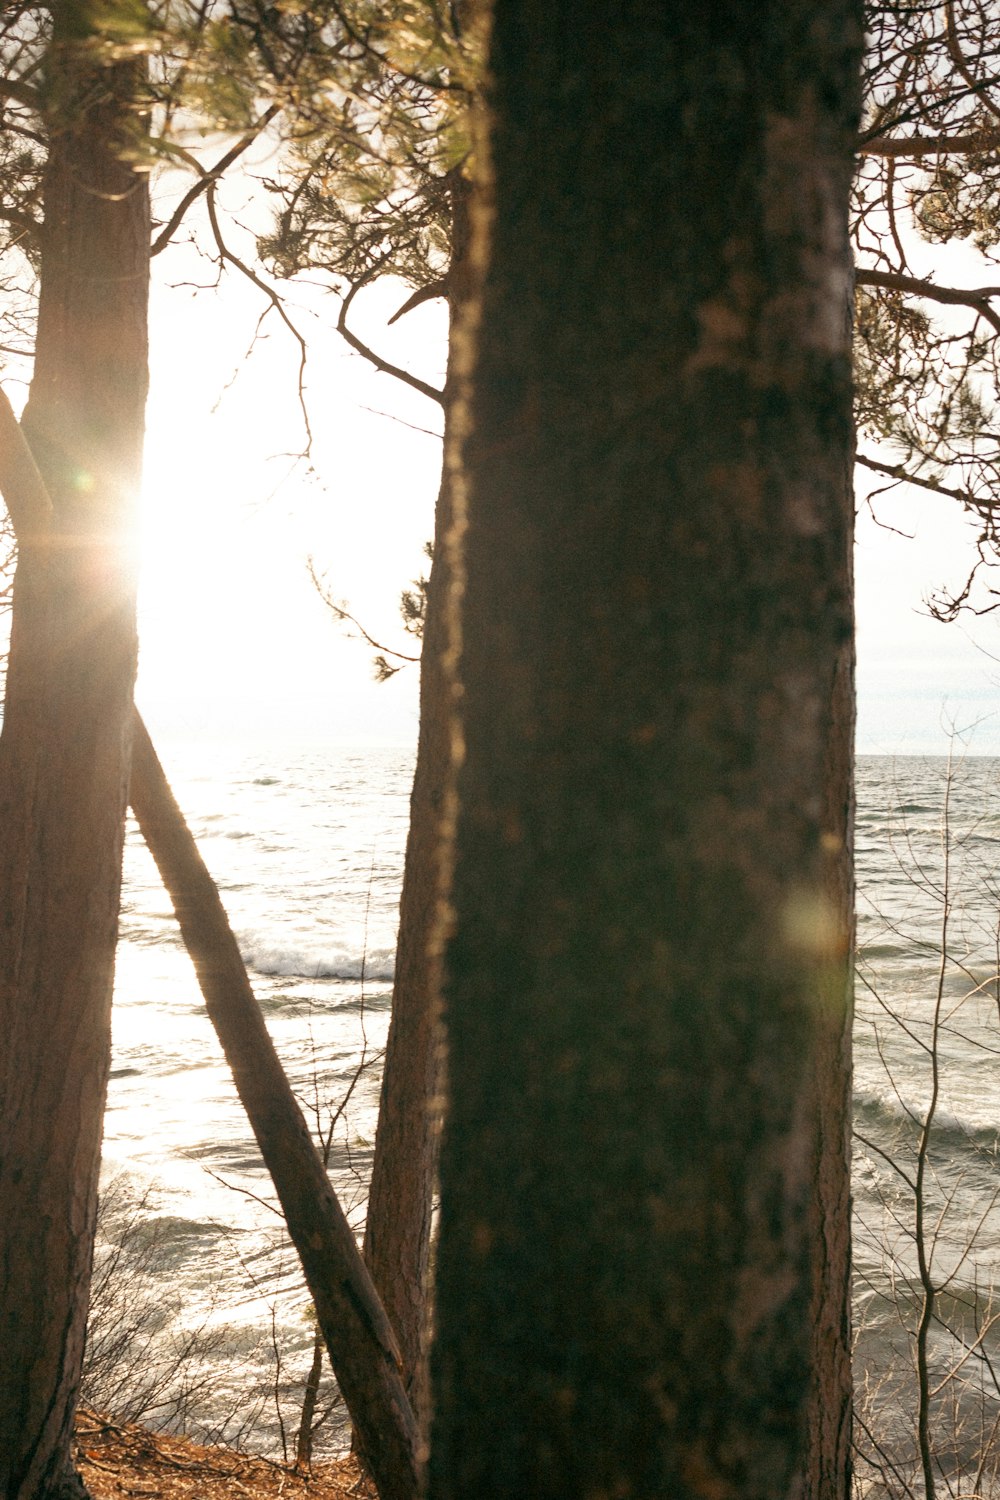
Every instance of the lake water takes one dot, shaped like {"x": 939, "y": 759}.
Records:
{"x": 307, "y": 848}
{"x": 927, "y": 1065}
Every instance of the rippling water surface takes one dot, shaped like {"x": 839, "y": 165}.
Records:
{"x": 927, "y": 1068}
{"x": 307, "y": 848}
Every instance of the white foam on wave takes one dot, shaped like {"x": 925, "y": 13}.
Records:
{"x": 318, "y": 963}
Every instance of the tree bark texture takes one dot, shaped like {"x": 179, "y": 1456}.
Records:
{"x": 646, "y": 994}
{"x": 398, "y": 1226}
{"x": 65, "y": 750}
{"x": 826, "y": 1472}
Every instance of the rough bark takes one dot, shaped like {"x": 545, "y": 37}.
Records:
{"x": 828, "y": 1463}
{"x": 650, "y": 900}
{"x": 64, "y": 753}
{"x": 398, "y": 1226}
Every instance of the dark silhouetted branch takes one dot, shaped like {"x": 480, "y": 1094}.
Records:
{"x": 977, "y": 297}
{"x": 430, "y": 391}
{"x": 209, "y": 176}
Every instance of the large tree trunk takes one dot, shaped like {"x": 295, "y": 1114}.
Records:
{"x": 398, "y": 1226}
{"x": 64, "y": 753}
{"x": 651, "y": 891}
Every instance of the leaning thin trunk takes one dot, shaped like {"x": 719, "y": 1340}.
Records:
{"x": 64, "y": 754}
{"x": 357, "y": 1333}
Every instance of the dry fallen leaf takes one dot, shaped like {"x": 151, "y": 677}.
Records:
{"x": 116, "y": 1460}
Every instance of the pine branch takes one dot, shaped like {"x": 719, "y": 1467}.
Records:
{"x": 905, "y": 476}
{"x": 342, "y": 613}
{"x": 978, "y": 298}
{"x": 914, "y": 147}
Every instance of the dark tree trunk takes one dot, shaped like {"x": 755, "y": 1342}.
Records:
{"x": 398, "y": 1226}
{"x": 64, "y": 753}
{"x": 827, "y": 1466}
{"x": 648, "y": 976}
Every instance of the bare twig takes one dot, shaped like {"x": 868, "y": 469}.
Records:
{"x": 385, "y": 366}
{"x": 231, "y": 258}
{"x": 209, "y": 176}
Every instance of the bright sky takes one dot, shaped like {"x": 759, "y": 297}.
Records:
{"x": 918, "y": 678}
{"x": 235, "y": 640}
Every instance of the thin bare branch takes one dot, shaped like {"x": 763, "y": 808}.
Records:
{"x": 915, "y": 147}
{"x": 924, "y": 482}
{"x": 391, "y": 417}
{"x": 229, "y": 256}
{"x": 981, "y": 85}
{"x": 210, "y": 176}
{"x": 889, "y": 1160}
{"x": 430, "y": 391}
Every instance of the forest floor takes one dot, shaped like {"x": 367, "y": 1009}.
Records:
{"x": 123, "y": 1460}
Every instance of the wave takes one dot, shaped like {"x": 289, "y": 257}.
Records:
{"x": 315, "y": 963}
{"x": 949, "y": 1131}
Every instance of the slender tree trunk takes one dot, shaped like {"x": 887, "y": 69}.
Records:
{"x": 398, "y": 1227}
{"x": 64, "y": 753}
{"x": 648, "y": 972}
{"x": 307, "y": 1416}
